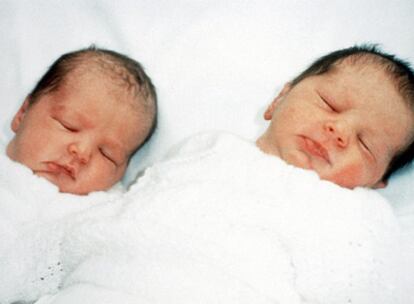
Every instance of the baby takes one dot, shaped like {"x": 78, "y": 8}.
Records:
{"x": 84, "y": 119}
{"x": 349, "y": 117}
{"x": 220, "y": 215}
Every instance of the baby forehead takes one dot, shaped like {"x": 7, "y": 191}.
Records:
{"x": 95, "y": 80}
{"x": 368, "y": 83}
{"x": 369, "y": 89}
{"x": 100, "y": 70}
{"x": 365, "y": 70}
{"x": 113, "y": 119}
{"x": 370, "y": 72}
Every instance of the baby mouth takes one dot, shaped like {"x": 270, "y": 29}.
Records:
{"x": 56, "y": 168}
{"x": 316, "y": 149}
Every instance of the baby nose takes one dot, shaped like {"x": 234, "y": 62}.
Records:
{"x": 80, "y": 152}
{"x": 338, "y": 132}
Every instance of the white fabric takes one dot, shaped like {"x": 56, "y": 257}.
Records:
{"x": 221, "y": 222}
{"x": 216, "y": 64}
{"x": 30, "y": 209}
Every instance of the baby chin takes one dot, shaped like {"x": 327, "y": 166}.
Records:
{"x": 308, "y": 161}
{"x": 298, "y": 159}
{"x": 64, "y": 182}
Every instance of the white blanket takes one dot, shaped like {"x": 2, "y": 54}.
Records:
{"x": 31, "y": 210}
{"x": 221, "y": 222}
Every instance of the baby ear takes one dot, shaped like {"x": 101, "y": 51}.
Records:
{"x": 19, "y": 116}
{"x": 271, "y": 108}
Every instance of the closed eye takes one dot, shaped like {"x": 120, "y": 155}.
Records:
{"x": 363, "y": 144}
{"x": 107, "y": 156}
{"x": 328, "y": 104}
{"x": 66, "y": 126}
{"x": 366, "y": 148}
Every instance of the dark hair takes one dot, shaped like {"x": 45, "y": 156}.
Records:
{"x": 399, "y": 71}
{"x": 125, "y": 69}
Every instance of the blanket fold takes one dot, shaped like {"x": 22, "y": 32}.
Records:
{"x": 221, "y": 222}
{"x": 217, "y": 222}
{"x": 31, "y": 211}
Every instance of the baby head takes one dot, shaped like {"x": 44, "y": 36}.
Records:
{"x": 349, "y": 117}
{"x": 84, "y": 119}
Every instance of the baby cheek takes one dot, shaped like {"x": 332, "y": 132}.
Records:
{"x": 350, "y": 176}
{"x": 103, "y": 174}
{"x": 28, "y": 149}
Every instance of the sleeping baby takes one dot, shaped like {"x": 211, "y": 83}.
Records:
{"x": 77, "y": 129}
{"x": 349, "y": 117}
{"x": 222, "y": 220}
{"x": 84, "y": 120}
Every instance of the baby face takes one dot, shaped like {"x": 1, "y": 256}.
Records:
{"x": 79, "y": 137}
{"x": 346, "y": 125}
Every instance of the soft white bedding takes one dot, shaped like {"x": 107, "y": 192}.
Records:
{"x": 30, "y": 211}
{"x": 216, "y": 64}
{"x": 221, "y": 222}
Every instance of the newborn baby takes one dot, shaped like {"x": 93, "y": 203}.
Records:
{"x": 84, "y": 120}
{"x": 349, "y": 117}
